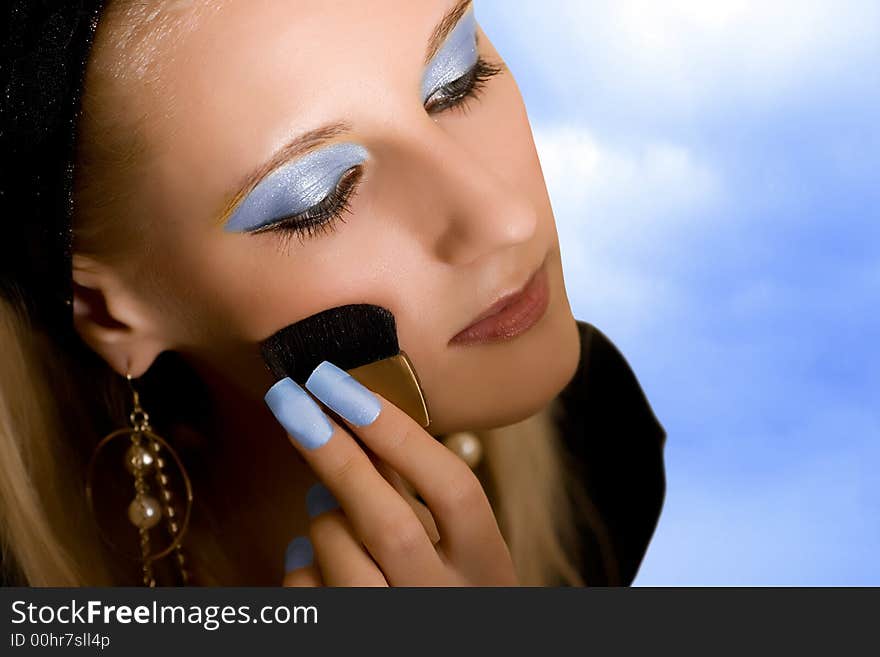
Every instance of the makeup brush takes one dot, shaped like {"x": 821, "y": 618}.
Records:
{"x": 359, "y": 338}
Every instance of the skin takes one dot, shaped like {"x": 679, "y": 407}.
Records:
{"x": 452, "y": 210}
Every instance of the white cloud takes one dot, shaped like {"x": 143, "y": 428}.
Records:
{"x": 614, "y": 204}
{"x": 689, "y": 54}
{"x": 640, "y": 183}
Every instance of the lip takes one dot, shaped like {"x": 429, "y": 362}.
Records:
{"x": 511, "y": 315}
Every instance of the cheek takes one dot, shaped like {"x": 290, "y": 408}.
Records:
{"x": 247, "y": 287}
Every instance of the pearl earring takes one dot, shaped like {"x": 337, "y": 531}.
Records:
{"x": 146, "y": 457}
{"x": 466, "y": 445}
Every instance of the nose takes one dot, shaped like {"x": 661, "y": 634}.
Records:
{"x": 476, "y": 211}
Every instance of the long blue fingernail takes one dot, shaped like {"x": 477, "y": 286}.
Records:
{"x": 344, "y": 394}
{"x": 298, "y": 413}
{"x": 319, "y": 500}
{"x": 299, "y": 554}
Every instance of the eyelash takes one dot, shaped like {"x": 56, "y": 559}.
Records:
{"x": 322, "y": 218}
{"x": 468, "y": 87}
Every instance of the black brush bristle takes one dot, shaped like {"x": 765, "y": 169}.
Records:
{"x": 347, "y": 336}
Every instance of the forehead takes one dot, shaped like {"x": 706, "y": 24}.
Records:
{"x": 248, "y": 61}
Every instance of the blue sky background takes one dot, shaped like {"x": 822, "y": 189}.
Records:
{"x": 713, "y": 168}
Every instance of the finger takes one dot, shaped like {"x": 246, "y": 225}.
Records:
{"x": 308, "y": 577}
{"x": 319, "y": 499}
{"x": 385, "y": 523}
{"x": 450, "y": 488}
{"x": 341, "y": 557}
{"x": 299, "y": 564}
{"x": 406, "y": 491}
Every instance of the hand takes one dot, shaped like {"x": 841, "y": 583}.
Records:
{"x": 378, "y": 537}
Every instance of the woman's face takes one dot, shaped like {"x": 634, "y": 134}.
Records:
{"x": 446, "y": 203}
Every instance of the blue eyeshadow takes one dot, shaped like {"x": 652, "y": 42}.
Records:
{"x": 457, "y": 56}
{"x": 296, "y": 187}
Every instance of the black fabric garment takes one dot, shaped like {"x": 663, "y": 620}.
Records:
{"x": 617, "y": 449}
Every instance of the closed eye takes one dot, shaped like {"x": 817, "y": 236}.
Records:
{"x": 323, "y": 216}
{"x": 468, "y": 86}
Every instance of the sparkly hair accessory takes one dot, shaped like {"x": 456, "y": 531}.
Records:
{"x": 45, "y": 49}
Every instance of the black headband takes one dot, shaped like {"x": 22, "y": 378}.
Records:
{"x": 45, "y": 48}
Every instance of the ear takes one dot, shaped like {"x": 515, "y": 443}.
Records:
{"x": 112, "y": 319}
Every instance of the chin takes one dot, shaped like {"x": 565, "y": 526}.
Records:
{"x": 506, "y": 387}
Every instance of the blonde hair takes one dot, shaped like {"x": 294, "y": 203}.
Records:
{"x": 57, "y": 401}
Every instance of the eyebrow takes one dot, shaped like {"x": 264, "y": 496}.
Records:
{"x": 311, "y": 139}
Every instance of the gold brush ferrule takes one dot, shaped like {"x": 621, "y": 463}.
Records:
{"x": 396, "y": 380}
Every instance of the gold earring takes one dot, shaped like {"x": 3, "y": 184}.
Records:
{"x": 146, "y": 454}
